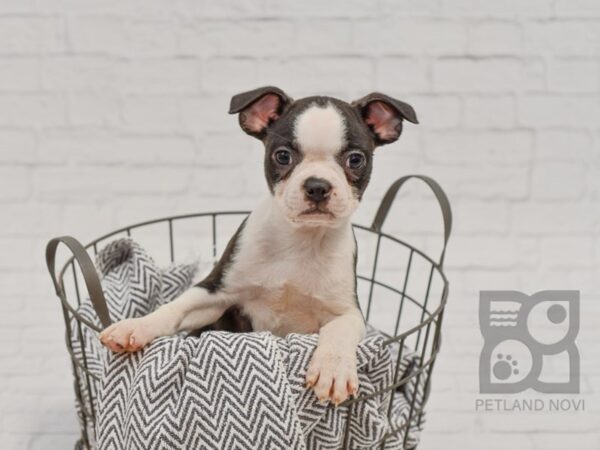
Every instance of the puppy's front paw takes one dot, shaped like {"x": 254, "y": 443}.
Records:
{"x": 332, "y": 375}
{"x": 128, "y": 335}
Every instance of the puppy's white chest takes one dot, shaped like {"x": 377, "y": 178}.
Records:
{"x": 287, "y": 281}
{"x": 285, "y": 310}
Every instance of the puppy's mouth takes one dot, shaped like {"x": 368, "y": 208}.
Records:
{"x": 317, "y": 211}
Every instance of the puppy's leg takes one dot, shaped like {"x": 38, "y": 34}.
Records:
{"x": 332, "y": 370}
{"x": 199, "y": 306}
{"x": 193, "y": 309}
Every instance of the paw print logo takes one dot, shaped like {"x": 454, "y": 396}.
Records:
{"x": 505, "y": 367}
{"x": 509, "y": 363}
{"x": 522, "y": 333}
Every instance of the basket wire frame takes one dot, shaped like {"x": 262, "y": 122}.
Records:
{"x": 427, "y": 340}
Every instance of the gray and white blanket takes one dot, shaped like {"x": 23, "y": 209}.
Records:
{"x": 224, "y": 390}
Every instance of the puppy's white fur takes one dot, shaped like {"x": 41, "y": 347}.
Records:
{"x": 319, "y": 132}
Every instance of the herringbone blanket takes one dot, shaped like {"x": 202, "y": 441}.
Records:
{"x": 223, "y": 390}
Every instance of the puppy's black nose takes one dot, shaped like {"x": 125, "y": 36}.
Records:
{"x": 317, "y": 189}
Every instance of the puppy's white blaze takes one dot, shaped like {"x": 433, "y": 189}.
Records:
{"x": 320, "y": 130}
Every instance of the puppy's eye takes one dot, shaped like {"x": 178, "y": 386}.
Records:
{"x": 355, "y": 160}
{"x": 283, "y": 157}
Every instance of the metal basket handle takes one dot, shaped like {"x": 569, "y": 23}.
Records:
{"x": 90, "y": 276}
{"x": 440, "y": 195}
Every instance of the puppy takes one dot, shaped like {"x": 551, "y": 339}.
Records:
{"x": 291, "y": 265}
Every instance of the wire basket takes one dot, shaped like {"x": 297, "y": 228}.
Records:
{"x": 402, "y": 292}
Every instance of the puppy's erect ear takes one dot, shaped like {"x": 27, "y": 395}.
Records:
{"x": 258, "y": 108}
{"x": 384, "y": 115}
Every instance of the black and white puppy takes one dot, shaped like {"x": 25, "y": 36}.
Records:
{"x": 290, "y": 267}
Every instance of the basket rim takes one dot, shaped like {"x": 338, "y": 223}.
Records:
{"x": 128, "y": 228}
{"x": 169, "y": 219}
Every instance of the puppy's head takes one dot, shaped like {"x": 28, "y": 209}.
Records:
{"x": 319, "y": 150}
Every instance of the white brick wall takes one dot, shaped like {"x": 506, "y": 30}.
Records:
{"x": 113, "y": 111}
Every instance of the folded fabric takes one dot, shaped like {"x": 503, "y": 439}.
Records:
{"x": 224, "y": 390}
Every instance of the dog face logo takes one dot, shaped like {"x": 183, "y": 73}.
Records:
{"x": 529, "y": 342}
{"x": 319, "y": 150}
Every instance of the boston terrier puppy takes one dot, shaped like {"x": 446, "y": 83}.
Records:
{"x": 291, "y": 265}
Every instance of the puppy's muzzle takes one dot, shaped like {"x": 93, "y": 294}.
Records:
{"x": 317, "y": 189}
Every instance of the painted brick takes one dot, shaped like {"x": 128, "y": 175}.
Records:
{"x": 498, "y": 112}
{"x": 558, "y": 180}
{"x": 556, "y": 441}
{"x": 558, "y": 111}
{"x": 63, "y": 184}
{"x": 17, "y": 146}
{"x": 261, "y": 37}
{"x": 495, "y": 38}
{"x": 17, "y": 254}
{"x": 227, "y": 9}
{"x": 31, "y": 35}
{"x": 151, "y": 114}
{"x": 94, "y": 109}
{"x": 229, "y": 75}
{"x": 563, "y": 37}
{"x": 510, "y": 148}
{"x": 26, "y": 219}
{"x": 115, "y": 34}
{"x": 475, "y": 217}
{"x": 434, "y": 111}
{"x": 577, "y": 8}
{"x": 568, "y": 252}
{"x": 409, "y": 75}
{"x": 208, "y": 114}
{"x": 563, "y": 145}
{"x": 328, "y": 37}
{"x": 148, "y": 180}
{"x": 76, "y": 73}
{"x": 488, "y": 181}
{"x": 174, "y": 76}
{"x": 27, "y": 110}
{"x": 342, "y": 75}
{"x": 537, "y": 218}
{"x": 89, "y": 149}
{"x": 574, "y": 75}
{"x": 113, "y": 112}
{"x": 483, "y": 252}
{"x": 19, "y": 74}
{"x": 15, "y": 183}
{"x": 311, "y": 8}
{"x": 412, "y": 37}
{"x": 467, "y": 75}
{"x": 509, "y": 9}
